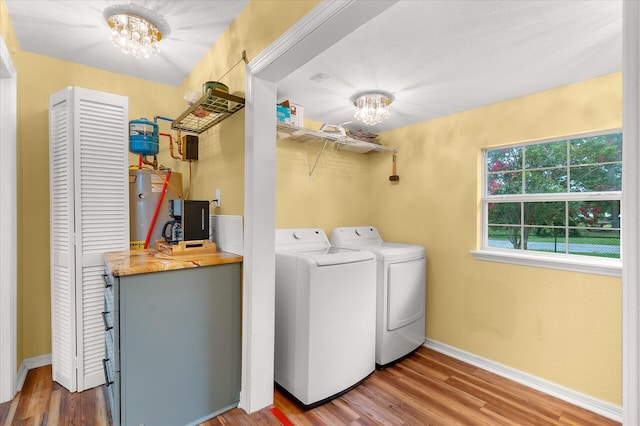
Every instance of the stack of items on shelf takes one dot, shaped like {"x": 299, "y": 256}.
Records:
{"x": 363, "y": 136}
{"x": 290, "y": 113}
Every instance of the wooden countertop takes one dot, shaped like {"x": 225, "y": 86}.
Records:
{"x": 134, "y": 262}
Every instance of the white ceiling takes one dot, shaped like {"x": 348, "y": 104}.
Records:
{"x": 435, "y": 57}
{"x": 76, "y": 31}
{"x": 442, "y": 57}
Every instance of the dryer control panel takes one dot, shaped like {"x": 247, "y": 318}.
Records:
{"x": 361, "y": 235}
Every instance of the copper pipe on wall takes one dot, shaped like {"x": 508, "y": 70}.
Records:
{"x": 153, "y": 163}
{"x": 179, "y": 143}
{"x": 177, "y": 157}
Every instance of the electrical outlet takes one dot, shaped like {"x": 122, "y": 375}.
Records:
{"x": 216, "y": 200}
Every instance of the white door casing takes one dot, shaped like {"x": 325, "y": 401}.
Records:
{"x": 631, "y": 214}
{"x": 322, "y": 27}
{"x": 8, "y": 224}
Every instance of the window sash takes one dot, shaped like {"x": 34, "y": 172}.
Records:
{"x": 522, "y": 197}
{"x": 568, "y": 167}
{"x": 565, "y": 240}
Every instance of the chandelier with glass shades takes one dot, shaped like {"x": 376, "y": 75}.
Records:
{"x": 133, "y": 31}
{"x": 372, "y": 107}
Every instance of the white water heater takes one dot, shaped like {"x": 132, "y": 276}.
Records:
{"x": 145, "y": 189}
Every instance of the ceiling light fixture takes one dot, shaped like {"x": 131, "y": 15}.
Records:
{"x": 135, "y": 30}
{"x": 371, "y": 107}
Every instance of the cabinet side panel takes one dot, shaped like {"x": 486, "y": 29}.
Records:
{"x": 180, "y": 344}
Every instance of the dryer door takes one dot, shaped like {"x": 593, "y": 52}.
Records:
{"x": 405, "y": 292}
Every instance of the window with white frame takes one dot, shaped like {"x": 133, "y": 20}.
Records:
{"x": 557, "y": 196}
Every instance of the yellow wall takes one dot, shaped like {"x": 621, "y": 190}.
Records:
{"x": 221, "y": 163}
{"x": 6, "y": 29}
{"x": 564, "y": 327}
{"x": 336, "y": 194}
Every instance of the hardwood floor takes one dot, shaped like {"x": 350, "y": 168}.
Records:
{"x": 44, "y": 402}
{"x": 427, "y": 388}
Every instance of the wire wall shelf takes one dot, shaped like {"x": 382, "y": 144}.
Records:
{"x": 206, "y": 112}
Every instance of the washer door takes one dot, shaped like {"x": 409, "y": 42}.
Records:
{"x": 405, "y": 293}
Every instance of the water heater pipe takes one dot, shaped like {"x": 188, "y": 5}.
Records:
{"x": 153, "y": 163}
{"x": 157, "y": 210}
{"x": 170, "y": 146}
{"x": 162, "y": 118}
{"x": 179, "y": 143}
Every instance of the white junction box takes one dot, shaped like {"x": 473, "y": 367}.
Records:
{"x": 227, "y": 232}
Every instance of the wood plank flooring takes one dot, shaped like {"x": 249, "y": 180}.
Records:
{"x": 44, "y": 402}
{"x": 427, "y": 388}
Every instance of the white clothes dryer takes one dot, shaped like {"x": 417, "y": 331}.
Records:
{"x": 401, "y": 291}
{"x": 325, "y": 316}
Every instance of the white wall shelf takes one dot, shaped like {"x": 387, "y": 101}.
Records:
{"x": 300, "y": 134}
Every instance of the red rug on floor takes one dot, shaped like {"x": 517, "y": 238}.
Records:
{"x": 280, "y": 416}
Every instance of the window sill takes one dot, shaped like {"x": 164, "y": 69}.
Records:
{"x": 564, "y": 262}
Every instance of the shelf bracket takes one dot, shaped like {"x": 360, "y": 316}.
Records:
{"x": 315, "y": 163}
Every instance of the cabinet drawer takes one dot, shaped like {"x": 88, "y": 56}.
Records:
{"x": 112, "y": 380}
{"x": 109, "y": 280}
{"x": 111, "y": 351}
{"x": 110, "y": 320}
{"x": 107, "y": 318}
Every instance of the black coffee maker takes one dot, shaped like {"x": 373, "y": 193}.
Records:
{"x": 190, "y": 221}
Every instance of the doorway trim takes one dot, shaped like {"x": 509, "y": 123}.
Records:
{"x": 631, "y": 214}
{"x": 8, "y": 224}
{"x": 323, "y": 26}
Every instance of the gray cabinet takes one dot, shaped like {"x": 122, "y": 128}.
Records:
{"x": 172, "y": 344}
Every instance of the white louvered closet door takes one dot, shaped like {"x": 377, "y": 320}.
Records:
{"x": 63, "y": 301}
{"x": 101, "y": 210}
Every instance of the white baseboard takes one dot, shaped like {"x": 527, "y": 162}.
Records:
{"x": 587, "y": 402}
{"x": 28, "y": 364}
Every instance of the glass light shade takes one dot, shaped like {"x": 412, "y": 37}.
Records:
{"x": 372, "y": 108}
{"x": 134, "y": 35}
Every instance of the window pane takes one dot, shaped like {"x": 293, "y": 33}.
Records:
{"x": 545, "y": 213}
{"x": 504, "y": 183}
{"x": 598, "y": 215}
{"x": 604, "y": 177}
{"x": 548, "y": 181}
{"x": 504, "y": 213}
{"x": 596, "y": 149}
{"x": 504, "y": 237}
{"x": 551, "y": 240}
{"x": 552, "y": 154}
{"x": 581, "y": 168}
{"x": 500, "y": 160}
{"x": 590, "y": 242}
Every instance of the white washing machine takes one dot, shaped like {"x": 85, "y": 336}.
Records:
{"x": 325, "y": 316}
{"x": 401, "y": 291}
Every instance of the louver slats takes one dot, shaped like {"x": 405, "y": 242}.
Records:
{"x": 94, "y": 208}
{"x": 62, "y": 264}
{"x": 104, "y": 190}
